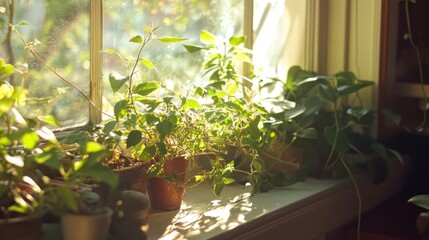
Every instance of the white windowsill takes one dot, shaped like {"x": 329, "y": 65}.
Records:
{"x": 305, "y": 210}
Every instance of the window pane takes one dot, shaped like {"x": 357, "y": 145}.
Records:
{"x": 271, "y": 26}
{"x": 177, "y": 68}
{"x": 62, "y": 28}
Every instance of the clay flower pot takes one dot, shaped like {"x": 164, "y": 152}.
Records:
{"x": 165, "y": 195}
{"x": 21, "y": 228}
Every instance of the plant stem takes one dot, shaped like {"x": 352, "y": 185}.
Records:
{"x": 29, "y": 47}
{"x": 358, "y": 197}
{"x": 8, "y": 40}
{"x": 130, "y": 93}
{"x": 337, "y": 130}
{"x": 419, "y": 63}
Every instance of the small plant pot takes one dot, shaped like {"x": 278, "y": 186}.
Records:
{"x": 281, "y": 158}
{"x": 21, "y": 228}
{"x": 165, "y": 195}
{"x": 86, "y": 227}
{"x": 133, "y": 178}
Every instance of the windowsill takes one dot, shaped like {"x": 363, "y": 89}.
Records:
{"x": 305, "y": 210}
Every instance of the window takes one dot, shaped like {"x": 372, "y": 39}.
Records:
{"x": 68, "y": 33}
{"x": 62, "y": 28}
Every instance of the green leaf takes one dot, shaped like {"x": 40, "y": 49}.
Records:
{"x": 191, "y": 104}
{"x": 92, "y": 147}
{"x": 136, "y": 39}
{"x": 294, "y": 112}
{"x": 23, "y": 23}
{"x": 49, "y": 119}
{"x": 5, "y": 69}
{"x": 295, "y": 75}
{"x": 112, "y": 52}
{"x": 100, "y": 173}
{"x": 147, "y": 63}
{"x": 397, "y": 155}
{"x": 120, "y": 109}
{"x": 345, "y": 78}
{"x": 146, "y": 88}
{"x": 308, "y": 133}
{"x": 312, "y": 105}
{"x": 392, "y": 116}
{"x": 237, "y": 40}
{"x": 227, "y": 181}
{"x": 148, "y": 153}
{"x": 207, "y": 37}
{"x": 109, "y": 126}
{"x": 421, "y": 201}
{"x": 134, "y": 137}
{"x": 164, "y": 128}
{"x": 50, "y": 156}
{"x": 338, "y": 140}
{"x": 30, "y": 140}
{"x": 347, "y": 89}
{"x": 231, "y": 87}
{"x": 380, "y": 149}
{"x": 171, "y": 39}
{"x": 257, "y": 166}
{"x": 193, "y": 48}
{"x": 117, "y": 81}
{"x": 162, "y": 148}
{"x": 69, "y": 197}
{"x": 218, "y": 188}
{"x": 359, "y": 111}
{"x": 327, "y": 93}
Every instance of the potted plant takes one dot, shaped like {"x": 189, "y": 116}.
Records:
{"x": 159, "y": 126}
{"x": 81, "y": 195}
{"x": 246, "y": 125}
{"x": 342, "y": 127}
{"x": 422, "y": 221}
{"x": 23, "y": 146}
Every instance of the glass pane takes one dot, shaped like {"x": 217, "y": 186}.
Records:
{"x": 271, "y": 27}
{"x": 177, "y": 68}
{"x": 62, "y": 28}
{"x": 274, "y": 45}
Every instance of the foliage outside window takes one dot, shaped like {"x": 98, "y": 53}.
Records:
{"x": 60, "y": 32}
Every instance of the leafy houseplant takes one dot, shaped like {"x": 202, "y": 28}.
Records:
{"x": 344, "y": 143}
{"x": 244, "y": 125}
{"x": 84, "y": 214}
{"x": 158, "y": 125}
{"x": 342, "y": 128}
{"x": 423, "y": 219}
{"x": 21, "y": 150}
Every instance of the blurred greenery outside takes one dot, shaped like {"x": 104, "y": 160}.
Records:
{"x": 62, "y": 28}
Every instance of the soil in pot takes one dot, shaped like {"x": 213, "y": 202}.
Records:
{"x": 132, "y": 173}
{"x": 166, "y": 195}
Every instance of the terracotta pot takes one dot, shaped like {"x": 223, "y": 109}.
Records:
{"x": 86, "y": 227}
{"x": 165, "y": 195}
{"x": 21, "y": 228}
{"x": 133, "y": 178}
{"x": 281, "y": 158}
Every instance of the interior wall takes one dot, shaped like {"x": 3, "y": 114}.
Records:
{"x": 351, "y": 41}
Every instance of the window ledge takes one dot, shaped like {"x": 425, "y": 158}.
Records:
{"x": 305, "y": 210}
